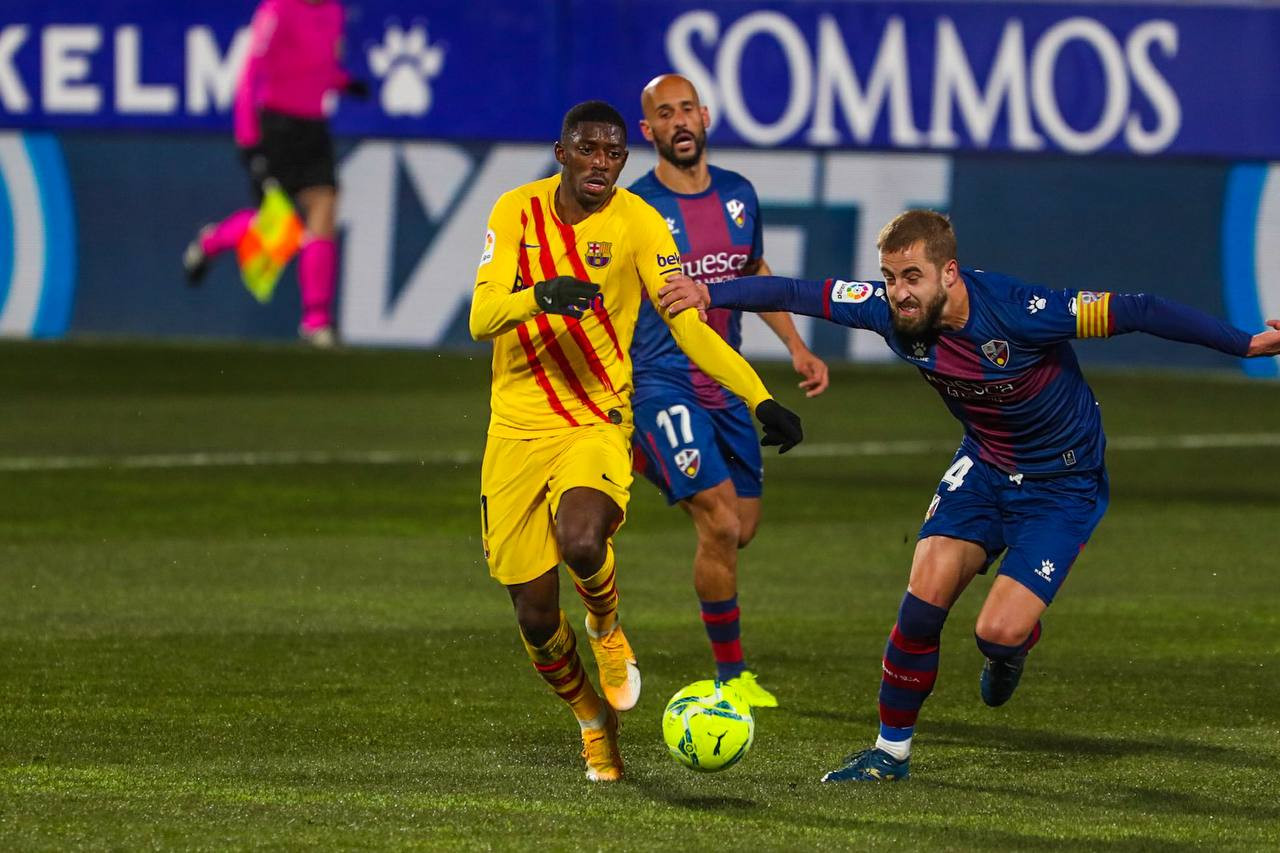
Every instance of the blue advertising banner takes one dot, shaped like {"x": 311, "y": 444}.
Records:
{"x": 413, "y": 214}
{"x": 1145, "y": 79}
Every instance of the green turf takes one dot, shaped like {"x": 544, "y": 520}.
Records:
{"x": 294, "y": 656}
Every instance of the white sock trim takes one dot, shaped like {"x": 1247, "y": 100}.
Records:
{"x": 595, "y": 635}
{"x": 899, "y": 749}
{"x": 597, "y": 723}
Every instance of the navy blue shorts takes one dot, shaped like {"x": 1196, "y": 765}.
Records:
{"x": 1043, "y": 524}
{"x": 685, "y": 449}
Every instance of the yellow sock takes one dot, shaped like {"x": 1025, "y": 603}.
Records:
{"x": 558, "y": 663}
{"x": 600, "y": 594}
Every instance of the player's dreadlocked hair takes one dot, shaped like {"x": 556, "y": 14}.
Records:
{"x": 592, "y": 111}
{"x": 907, "y": 229}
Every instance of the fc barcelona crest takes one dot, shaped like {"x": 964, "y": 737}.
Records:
{"x": 598, "y": 254}
{"x": 997, "y": 352}
{"x": 689, "y": 461}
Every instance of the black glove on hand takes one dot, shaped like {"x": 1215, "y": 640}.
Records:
{"x": 357, "y": 88}
{"x": 565, "y": 295}
{"x": 781, "y": 426}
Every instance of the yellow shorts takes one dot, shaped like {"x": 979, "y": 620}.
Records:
{"x": 521, "y": 482}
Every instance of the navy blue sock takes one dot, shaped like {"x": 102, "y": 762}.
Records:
{"x": 999, "y": 651}
{"x": 908, "y": 671}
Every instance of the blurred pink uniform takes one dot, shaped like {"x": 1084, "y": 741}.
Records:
{"x": 293, "y": 64}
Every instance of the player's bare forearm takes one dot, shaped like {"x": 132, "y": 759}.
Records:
{"x": 813, "y": 369}
{"x": 681, "y": 293}
{"x": 495, "y": 312}
{"x": 1266, "y": 343}
{"x": 781, "y": 324}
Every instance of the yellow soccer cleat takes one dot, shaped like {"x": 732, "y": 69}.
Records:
{"x": 619, "y": 675}
{"x": 600, "y": 749}
{"x": 750, "y": 690}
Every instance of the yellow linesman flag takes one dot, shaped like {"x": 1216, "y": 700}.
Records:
{"x": 270, "y": 241}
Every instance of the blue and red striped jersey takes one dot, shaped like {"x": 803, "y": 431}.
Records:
{"x": 718, "y": 232}
{"x": 1009, "y": 375}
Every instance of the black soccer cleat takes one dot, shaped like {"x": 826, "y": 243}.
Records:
{"x": 195, "y": 263}
{"x": 1000, "y": 678}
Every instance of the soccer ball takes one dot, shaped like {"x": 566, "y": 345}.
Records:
{"x": 708, "y": 726}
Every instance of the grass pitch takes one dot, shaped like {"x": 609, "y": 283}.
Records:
{"x": 308, "y": 652}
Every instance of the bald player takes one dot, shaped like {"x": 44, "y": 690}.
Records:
{"x": 694, "y": 439}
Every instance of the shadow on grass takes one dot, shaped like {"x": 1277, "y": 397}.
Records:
{"x": 959, "y": 733}
{"x": 705, "y": 804}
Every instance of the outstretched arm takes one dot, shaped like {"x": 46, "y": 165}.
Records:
{"x": 1143, "y": 312}
{"x": 856, "y": 304}
{"x": 751, "y": 293}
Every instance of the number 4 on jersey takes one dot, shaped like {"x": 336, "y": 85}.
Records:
{"x": 954, "y": 478}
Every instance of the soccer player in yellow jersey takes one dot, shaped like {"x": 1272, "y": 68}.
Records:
{"x": 566, "y": 263}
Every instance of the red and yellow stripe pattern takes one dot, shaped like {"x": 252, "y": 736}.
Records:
{"x": 557, "y": 372}
{"x": 553, "y": 373}
{"x": 558, "y": 663}
{"x": 1093, "y": 315}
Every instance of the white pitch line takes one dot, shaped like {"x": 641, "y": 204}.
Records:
{"x": 1209, "y": 441}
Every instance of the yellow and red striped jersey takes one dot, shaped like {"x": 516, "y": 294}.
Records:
{"x": 553, "y": 373}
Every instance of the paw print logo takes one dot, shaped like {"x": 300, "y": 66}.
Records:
{"x": 406, "y": 61}
{"x": 1037, "y": 303}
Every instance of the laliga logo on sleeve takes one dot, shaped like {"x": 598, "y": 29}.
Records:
{"x": 852, "y": 291}
{"x": 737, "y": 211}
{"x": 489, "y": 241}
{"x": 406, "y": 62}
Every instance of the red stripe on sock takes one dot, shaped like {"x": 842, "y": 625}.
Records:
{"x": 598, "y": 592}
{"x": 730, "y": 652}
{"x": 897, "y": 718}
{"x": 912, "y": 646}
{"x": 720, "y": 618}
{"x": 553, "y": 666}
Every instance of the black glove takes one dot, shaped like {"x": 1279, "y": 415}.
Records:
{"x": 565, "y": 295}
{"x": 357, "y": 88}
{"x": 781, "y": 426}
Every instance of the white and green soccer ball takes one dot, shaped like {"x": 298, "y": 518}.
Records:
{"x": 708, "y": 726}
